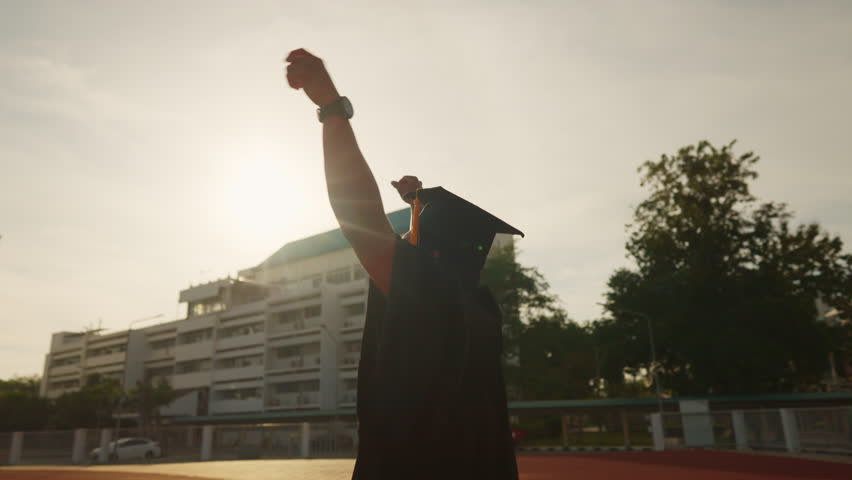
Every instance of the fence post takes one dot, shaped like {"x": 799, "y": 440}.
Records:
{"x": 78, "y": 451}
{"x": 206, "y": 443}
{"x": 106, "y": 436}
{"x": 625, "y": 427}
{"x": 306, "y": 440}
{"x": 740, "y": 431}
{"x": 564, "y": 431}
{"x": 791, "y": 429}
{"x": 657, "y": 431}
{"x": 16, "y": 448}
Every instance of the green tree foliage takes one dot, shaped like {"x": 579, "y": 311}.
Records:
{"x": 92, "y": 406}
{"x": 729, "y": 284}
{"x": 20, "y": 404}
{"x": 521, "y": 292}
{"x": 546, "y": 355}
{"x": 146, "y": 399}
{"x": 557, "y": 360}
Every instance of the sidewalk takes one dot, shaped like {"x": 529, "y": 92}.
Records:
{"x": 320, "y": 469}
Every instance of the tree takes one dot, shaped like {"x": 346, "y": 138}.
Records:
{"x": 557, "y": 360}
{"x": 546, "y": 355}
{"x": 147, "y": 399}
{"x": 728, "y": 285}
{"x": 93, "y": 405}
{"x": 21, "y": 405}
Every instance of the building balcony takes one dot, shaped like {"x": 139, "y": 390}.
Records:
{"x": 301, "y": 362}
{"x": 57, "y": 392}
{"x": 238, "y": 373}
{"x": 353, "y": 323}
{"x": 348, "y": 398}
{"x": 240, "y": 341}
{"x": 101, "y": 360}
{"x": 65, "y": 370}
{"x": 236, "y": 405}
{"x": 161, "y": 354}
{"x": 350, "y": 360}
{"x": 190, "y": 380}
{"x": 157, "y": 379}
{"x": 191, "y": 351}
{"x": 294, "y": 328}
{"x": 294, "y": 400}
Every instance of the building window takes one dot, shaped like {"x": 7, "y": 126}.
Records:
{"x": 238, "y": 394}
{"x": 298, "y": 387}
{"x": 162, "y": 344}
{"x": 241, "y": 330}
{"x": 339, "y": 276}
{"x": 289, "y": 316}
{"x": 358, "y": 272}
{"x": 61, "y": 385}
{"x": 193, "y": 366}
{"x": 354, "y": 309}
{"x": 298, "y": 314}
{"x": 156, "y": 373}
{"x": 209, "y": 306}
{"x": 118, "y": 376}
{"x": 60, "y": 362}
{"x": 195, "y": 336}
{"x": 239, "y": 362}
{"x": 99, "y": 352}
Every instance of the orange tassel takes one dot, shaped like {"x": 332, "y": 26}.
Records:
{"x": 415, "y": 222}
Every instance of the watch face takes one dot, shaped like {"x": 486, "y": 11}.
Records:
{"x": 347, "y": 107}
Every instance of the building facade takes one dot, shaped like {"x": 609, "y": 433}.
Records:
{"x": 283, "y": 335}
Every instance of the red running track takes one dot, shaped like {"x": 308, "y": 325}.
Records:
{"x": 680, "y": 465}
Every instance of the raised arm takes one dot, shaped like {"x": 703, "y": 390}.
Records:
{"x": 352, "y": 189}
{"x": 406, "y": 187}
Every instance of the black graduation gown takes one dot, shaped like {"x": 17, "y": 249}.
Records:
{"x": 431, "y": 396}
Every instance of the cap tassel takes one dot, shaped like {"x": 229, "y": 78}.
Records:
{"x": 414, "y": 238}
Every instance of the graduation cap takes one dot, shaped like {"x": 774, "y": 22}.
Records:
{"x": 455, "y": 230}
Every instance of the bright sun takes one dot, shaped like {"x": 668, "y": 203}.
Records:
{"x": 262, "y": 194}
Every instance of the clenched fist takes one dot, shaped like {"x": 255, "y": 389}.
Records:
{"x": 407, "y": 186}
{"x": 307, "y": 72}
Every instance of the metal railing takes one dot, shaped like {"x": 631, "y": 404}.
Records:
{"x": 823, "y": 430}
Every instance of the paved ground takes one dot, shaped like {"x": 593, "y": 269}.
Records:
{"x": 689, "y": 465}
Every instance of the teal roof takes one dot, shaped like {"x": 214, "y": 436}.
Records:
{"x": 329, "y": 241}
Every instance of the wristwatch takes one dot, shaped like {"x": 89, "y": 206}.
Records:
{"x": 342, "y": 106}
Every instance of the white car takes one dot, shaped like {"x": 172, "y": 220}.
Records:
{"x": 129, "y": 448}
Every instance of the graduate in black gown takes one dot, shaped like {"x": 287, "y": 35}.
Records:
{"x": 431, "y": 396}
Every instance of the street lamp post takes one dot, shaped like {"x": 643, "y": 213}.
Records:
{"x": 653, "y": 366}
{"x": 121, "y": 393}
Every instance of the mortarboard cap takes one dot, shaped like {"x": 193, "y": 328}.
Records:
{"x": 457, "y": 233}
{"x": 456, "y": 217}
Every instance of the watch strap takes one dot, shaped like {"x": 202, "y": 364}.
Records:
{"x": 334, "y": 108}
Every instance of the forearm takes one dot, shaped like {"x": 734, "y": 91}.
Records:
{"x": 414, "y": 213}
{"x": 352, "y": 189}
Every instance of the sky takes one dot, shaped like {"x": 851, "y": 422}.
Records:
{"x": 148, "y": 146}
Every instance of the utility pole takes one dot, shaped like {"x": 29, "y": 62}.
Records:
{"x": 121, "y": 392}
{"x": 654, "y": 366}
{"x": 652, "y": 369}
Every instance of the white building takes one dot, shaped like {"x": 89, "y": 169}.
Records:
{"x": 284, "y": 335}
